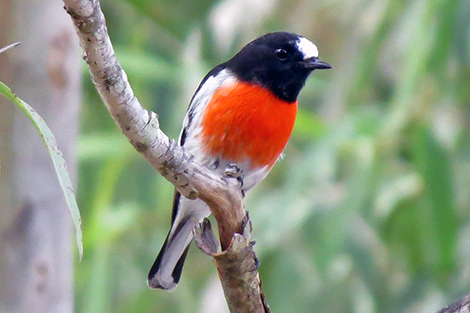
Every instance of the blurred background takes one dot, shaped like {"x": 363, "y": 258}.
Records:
{"x": 369, "y": 211}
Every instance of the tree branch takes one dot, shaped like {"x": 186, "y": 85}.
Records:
{"x": 237, "y": 266}
{"x": 462, "y": 305}
{"x": 141, "y": 127}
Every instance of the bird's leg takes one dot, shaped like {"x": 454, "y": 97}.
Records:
{"x": 234, "y": 171}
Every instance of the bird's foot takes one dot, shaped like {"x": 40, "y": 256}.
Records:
{"x": 234, "y": 171}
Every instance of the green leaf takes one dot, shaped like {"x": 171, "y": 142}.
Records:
{"x": 58, "y": 160}
{"x": 434, "y": 165}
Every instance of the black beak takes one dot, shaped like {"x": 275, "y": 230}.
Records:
{"x": 316, "y": 64}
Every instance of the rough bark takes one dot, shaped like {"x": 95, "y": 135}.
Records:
{"x": 462, "y": 305}
{"x": 36, "y": 256}
{"x": 237, "y": 266}
{"x": 221, "y": 193}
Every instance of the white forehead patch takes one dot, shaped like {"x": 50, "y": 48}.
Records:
{"x": 308, "y": 48}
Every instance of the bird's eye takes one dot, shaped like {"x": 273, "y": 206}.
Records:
{"x": 281, "y": 54}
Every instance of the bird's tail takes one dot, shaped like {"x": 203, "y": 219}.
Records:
{"x": 166, "y": 270}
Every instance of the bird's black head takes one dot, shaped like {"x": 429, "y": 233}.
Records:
{"x": 278, "y": 61}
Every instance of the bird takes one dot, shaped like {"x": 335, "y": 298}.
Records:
{"x": 242, "y": 114}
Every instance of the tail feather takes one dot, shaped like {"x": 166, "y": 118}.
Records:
{"x": 154, "y": 282}
{"x": 166, "y": 271}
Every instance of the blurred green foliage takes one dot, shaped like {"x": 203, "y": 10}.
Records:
{"x": 368, "y": 212}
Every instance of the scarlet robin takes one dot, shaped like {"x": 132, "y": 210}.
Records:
{"x": 242, "y": 113}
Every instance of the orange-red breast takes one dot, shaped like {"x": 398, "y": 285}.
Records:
{"x": 242, "y": 113}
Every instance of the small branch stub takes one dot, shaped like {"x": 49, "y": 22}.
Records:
{"x": 237, "y": 267}
{"x": 205, "y": 239}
